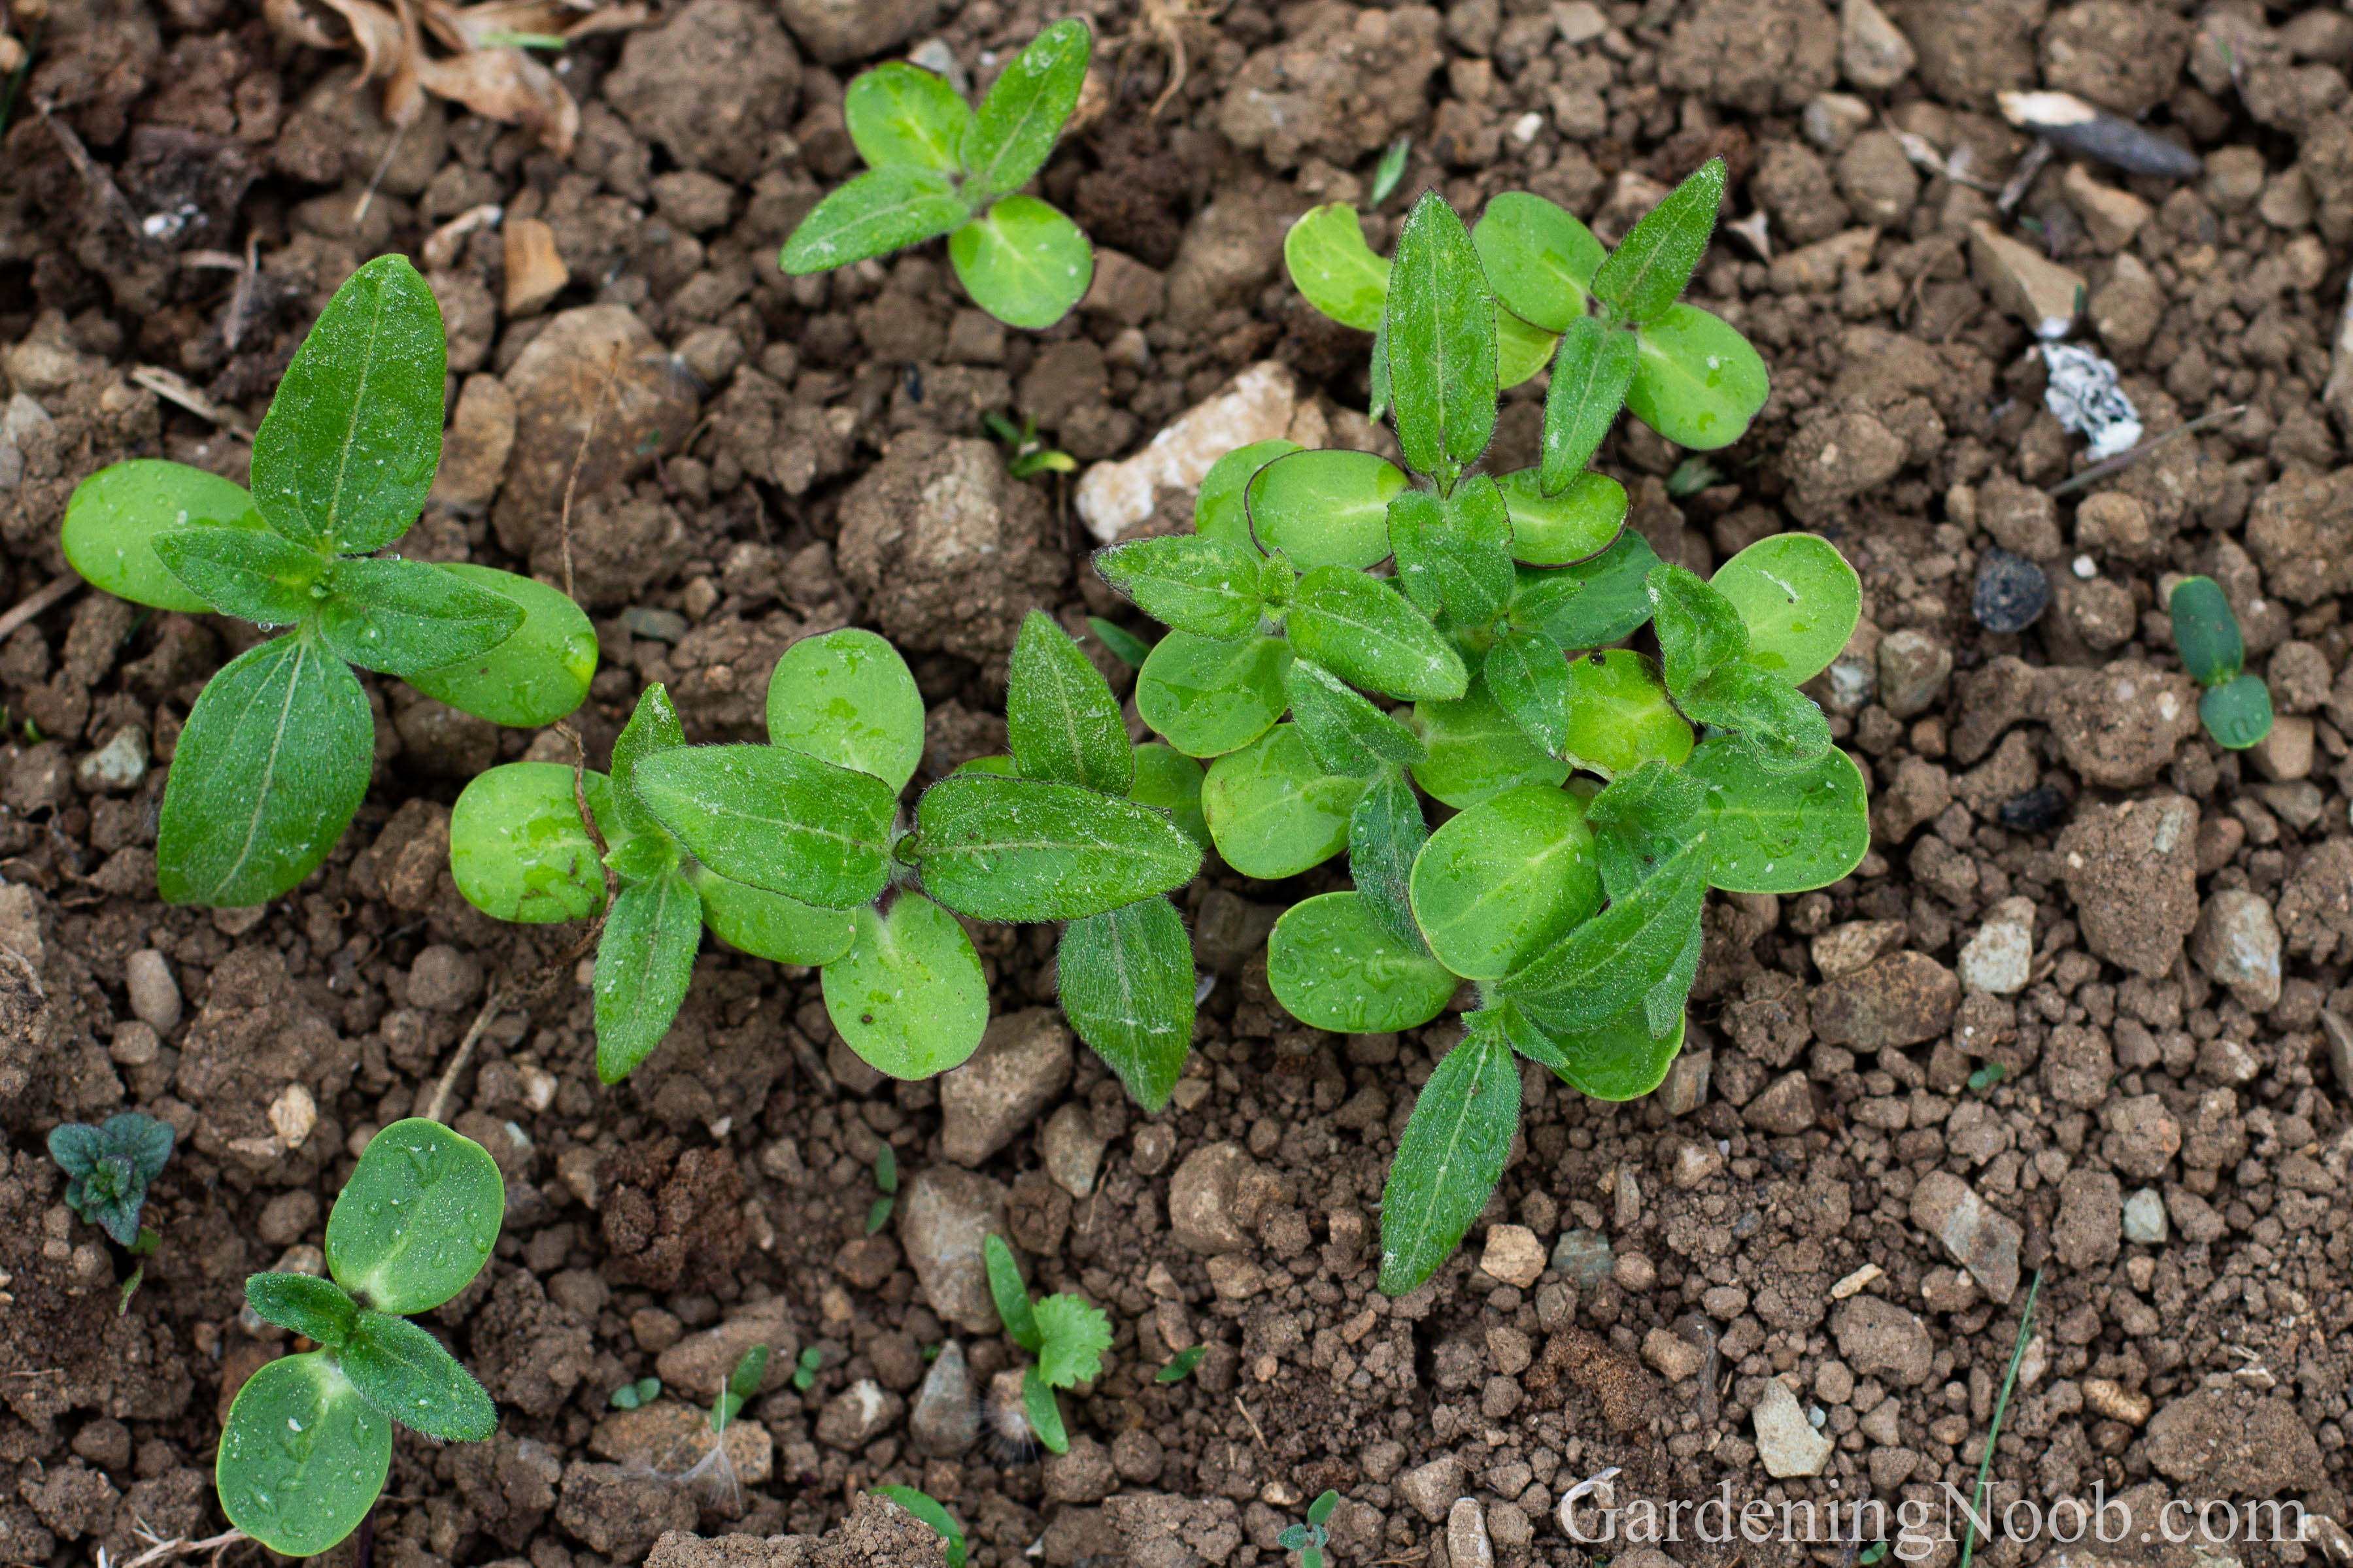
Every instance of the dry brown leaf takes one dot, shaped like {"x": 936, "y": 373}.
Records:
{"x": 467, "y": 27}
{"x": 508, "y": 86}
{"x": 376, "y": 33}
{"x": 296, "y": 23}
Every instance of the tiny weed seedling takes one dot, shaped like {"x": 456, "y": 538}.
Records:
{"x": 277, "y": 748}
{"x": 1391, "y": 170}
{"x": 309, "y": 1440}
{"x": 938, "y": 168}
{"x": 886, "y": 1180}
{"x": 632, "y": 1395}
{"x": 926, "y": 1508}
{"x": 2237, "y": 706}
{"x": 1181, "y": 1365}
{"x": 2000, "y": 1408}
{"x": 1598, "y": 794}
{"x": 1988, "y": 1077}
{"x": 1066, "y": 1333}
{"x": 108, "y": 1168}
{"x": 1025, "y": 455}
{"x": 799, "y": 851}
{"x": 805, "y": 1370}
{"x": 1310, "y": 1539}
{"x": 716, "y": 1462}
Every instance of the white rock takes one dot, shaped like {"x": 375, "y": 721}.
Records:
{"x": 1786, "y": 1441}
{"x": 1999, "y": 957}
{"x": 2238, "y": 942}
{"x": 154, "y": 994}
{"x": 1834, "y": 119}
{"x": 2024, "y": 283}
{"x": 292, "y": 1115}
{"x": 2144, "y": 1220}
{"x": 1874, "y": 53}
{"x": 1467, "y": 1545}
{"x": 1261, "y": 403}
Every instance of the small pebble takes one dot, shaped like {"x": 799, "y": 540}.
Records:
{"x": 2011, "y": 592}
{"x": 1583, "y": 1257}
{"x": 154, "y": 994}
{"x": 2144, "y": 1220}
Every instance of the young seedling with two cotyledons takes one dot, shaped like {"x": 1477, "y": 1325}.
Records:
{"x": 2237, "y": 706}
{"x": 1067, "y": 1334}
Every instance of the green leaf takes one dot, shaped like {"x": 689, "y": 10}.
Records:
{"x": 1577, "y": 524}
{"x": 1641, "y": 821}
{"x": 253, "y": 575}
{"x": 1800, "y": 600}
{"x": 346, "y": 454}
{"x": 398, "y": 1367}
{"x": 1617, "y": 1061}
{"x": 1539, "y": 259}
{"x": 540, "y": 674}
{"x": 1611, "y": 961}
{"x": 303, "y": 1455}
{"x": 644, "y": 856}
{"x": 1320, "y": 1508}
{"x": 1390, "y": 169}
{"x": 1333, "y": 965}
{"x": 1589, "y": 377}
{"x": 1475, "y": 750}
{"x": 416, "y": 1220}
{"x": 1784, "y": 730}
{"x": 1029, "y": 849}
{"x": 1454, "y": 556}
{"x": 273, "y": 761}
{"x": 1592, "y": 602}
{"x": 1699, "y": 629}
{"x": 1026, "y": 109}
{"x": 881, "y": 211}
{"x": 1064, "y": 722}
{"x": 1326, "y": 507}
{"x": 1528, "y": 677}
{"x": 777, "y": 819}
{"x": 750, "y": 1369}
{"x": 1386, "y": 831}
{"x": 1780, "y": 833}
{"x": 1333, "y": 268}
{"x": 1010, "y": 1292}
{"x": 654, "y": 727}
{"x": 910, "y": 996}
{"x": 301, "y": 1304}
{"x": 1023, "y": 262}
{"x": 2206, "y": 632}
{"x": 1219, "y": 510}
{"x": 518, "y": 851}
{"x": 1292, "y": 1538}
{"x": 1205, "y": 586}
{"x": 1127, "y": 980}
{"x": 940, "y": 1522}
{"x": 1044, "y": 1411}
{"x": 1344, "y": 731}
{"x": 886, "y": 1169}
{"x": 115, "y": 515}
{"x": 1521, "y": 349}
{"x": 1365, "y": 632}
{"x": 1377, "y": 374}
{"x": 1449, "y": 1159}
{"x": 1181, "y": 1365}
{"x": 846, "y": 697}
{"x": 1505, "y": 881}
{"x": 1619, "y": 716}
{"x": 2237, "y": 713}
{"x": 1663, "y": 1003}
{"x": 770, "y": 925}
{"x": 399, "y": 616}
{"x": 1076, "y": 1334}
{"x": 1125, "y": 645}
{"x": 1207, "y": 698}
{"x": 899, "y": 113}
{"x": 1647, "y": 272}
{"x": 1169, "y": 781}
{"x": 645, "y": 962}
{"x": 1441, "y": 327}
{"x": 1699, "y": 383}
{"x": 1272, "y": 811}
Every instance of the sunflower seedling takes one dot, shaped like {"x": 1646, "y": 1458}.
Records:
{"x": 926, "y": 1508}
{"x": 1310, "y": 1539}
{"x": 309, "y": 1440}
{"x": 886, "y": 1179}
{"x": 108, "y": 1168}
{"x": 936, "y": 166}
{"x": 632, "y": 1395}
{"x": 805, "y": 1370}
{"x": 277, "y": 748}
{"x": 1066, "y": 1333}
{"x": 1026, "y": 456}
{"x": 2237, "y": 706}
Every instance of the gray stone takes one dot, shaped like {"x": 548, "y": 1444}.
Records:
{"x": 618, "y": 1513}
{"x": 859, "y": 1415}
{"x": 1582, "y": 1256}
{"x": 116, "y": 767}
{"x": 2132, "y": 870}
{"x": 154, "y": 994}
{"x": 1914, "y": 669}
{"x": 2024, "y": 283}
{"x": 2233, "y": 1441}
{"x": 943, "y": 1215}
{"x": 697, "y": 1366}
{"x": 1787, "y": 1442}
{"x": 946, "y": 1417}
{"x": 1979, "y": 1238}
{"x": 443, "y": 979}
{"x": 1898, "y": 1000}
{"x": 2337, "y": 1034}
{"x": 1072, "y": 1150}
{"x": 1784, "y": 1106}
{"x": 1431, "y": 1489}
{"x": 1467, "y": 1545}
{"x": 1227, "y": 930}
{"x": 1023, "y": 1062}
{"x": 2237, "y": 941}
{"x": 1685, "y": 1088}
{"x": 2144, "y": 1218}
{"x": 1201, "y": 1199}
{"x": 1999, "y": 958}
{"x": 1874, "y": 53}
{"x": 1878, "y": 1336}
{"x": 836, "y": 31}
{"x": 710, "y": 84}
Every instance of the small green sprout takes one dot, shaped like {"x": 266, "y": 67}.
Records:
{"x": 2001, "y": 1408}
{"x": 805, "y": 1368}
{"x": 1026, "y": 456}
{"x": 742, "y": 1383}
{"x": 1873, "y": 1555}
{"x": 108, "y": 1168}
{"x": 309, "y": 1440}
{"x": 886, "y": 1177}
{"x": 1181, "y": 1365}
{"x": 1389, "y": 171}
{"x": 2237, "y": 706}
{"x": 1692, "y": 475}
{"x": 937, "y": 167}
{"x": 1988, "y": 1076}
{"x": 1066, "y": 1333}
{"x": 278, "y": 747}
{"x": 1125, "y": 645}
{"x": 927, "y": 1509}
{"x": 1310, "y": 1539}
{"x": 634, "y": 1395}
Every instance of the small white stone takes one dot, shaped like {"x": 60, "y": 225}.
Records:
{"x": 154, "y": 994}
{"x": 2145, "y": 1218}
{"x": 292, "y": 1115}
{"x": 1525, "y": 128}
{"x": 2086, "y": 568}
{"x": 1259, "y": 405}
{"x": 1786, "y": 1441}
{"x": 1999, "y": 958}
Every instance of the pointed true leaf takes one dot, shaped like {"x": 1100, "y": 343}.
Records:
{"x": 909, "y": 998}
{"x": 1334, "y": 966}
{"x": 1800, "y": 600}
{"x": 1010, "y": 1293}
{"x": 1589, "y": 376}
{"x": 1205, "y": 586}
{"x": 398, "y": 617}
{"x": 1640, "y": 820}
{"x": 1125, "y": 645}
{"x": 879, "y": 212}
{"x": 1127, "y": 980}
{"x": 1449, "y": 1159}
{"x": 1333, "y": 268}
{"x": 346, "y": 454}
{"x": 1780, "y": 833}
{"x": 1440, "y": 331}
{"x": 777, "y": 819}
{"x": 1168, "y": 780}
{"x": 1577, "y": 524}
{"x": 77, "y": 1147}
{"x": 848, "y": 698}
{"x": 1592, "y": 602}
{"x": 417, "y": 1218}
{"x": 770, "y": 925}
{"x": 1365, "y": 632}
{"x": 1663, "y": 1003}
{"x": 253, "y": 574}
{"x": 1324, "y": 509}
{"x": 654, "y": 727}
{"x": 538, "y": 675}
{"x": 146, "y": 1140}
{"x": 273, "y": 761}
{"x": 900, "y": 113}
{"x": 1528, "y": 677}
{"x": 1647, "y": 272}
{"x": 518, "y": 851}
{"x": 1475, "y": 750}
{"x": 1045, "y": 1412}
{"x": 1454, "y": 555}
{"x": 303, "y": 1455}
{"x": 1611, "y": 961}
{"x": 302, "y": 1304}
{"x": 1503, "y": 881}
{"x": 2237, "y": 713}
{"x": 1207, "y": 698}
{"x": 1699, "y": 382}
{"x": 1538, "y": 258}
{"x": 1272, "y": 811}
{"x": 1063, "y": 722}
{"x": 1785, "y": 731}
{"x": 1386, "y": 831}
{"x": 645, "y": 960}
{"x": 115, "y": 515}
{"x": 1218, "y": 508}
{"x": 406, "y": 1373}
{"x": 1028, "y": 849}
{"x": 2205, "y": 632}
{"x": 1699, "y": 629}
{"x": 1620, "y": 715}
{"x": 1344, "y": 731}
{"x": 1026, "y": 108}
{"x": 1023, "y": 262}
{"x": 1617, "y": 1061}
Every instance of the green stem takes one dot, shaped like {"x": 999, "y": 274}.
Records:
{"x": 2000, "y": 1405}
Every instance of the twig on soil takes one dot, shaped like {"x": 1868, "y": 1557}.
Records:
{"x": 2000, "y": 1405}
{"x": 173, "y": 388}
{"x": 2029, "y": 165}
{"x": 41, "y": 599}
{"x": 94, "y": 175}
{"x": 438, "y": 1108}
{"x": 160, "y": 1550}
{"x": 383, "y": 166}
{"x": 572, "y": 482}
{"x": 1245, "y": 1409}
{"x": 2124, "y": 460}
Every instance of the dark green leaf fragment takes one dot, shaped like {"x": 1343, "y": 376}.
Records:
{"x": 1366, "y": 632}
{"x": 653, "y": 727}
{"x": 403, "y": 618}
{"x": 1528, "y": 674}
{"x": 408, "y": 1375}
{"x": 1126, "y": 981}
{"x": 1699, "y": 628}
{"x": 1029, "y": 849}
{"x": 1346, "y": 731}
{"x": 1590, "y": 373}
{"x": 1454, "y": 556}
{"x": 1785, "y": 731}
{"x": 1613, "y": 960}
{"x": 1450, "y": 1158}
{"x": 1386, "y": 831}
{"x": 1205, "y": 586}
{"x": 881, "y": 211}
{"x": 1647, "y": 272}
{"x": 242, "y": 572}
{"x": 1592, "y": 604}
{"x": 1010, "y": 1293}
{"x": 645, "y": 962}
{"x": 776, "y": 818}
{"x": 1025, "y": 110}
{"x": 1063, "y": 721}
{"x": 303, "y": 1304}
{"x": 1440, "y": 328}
